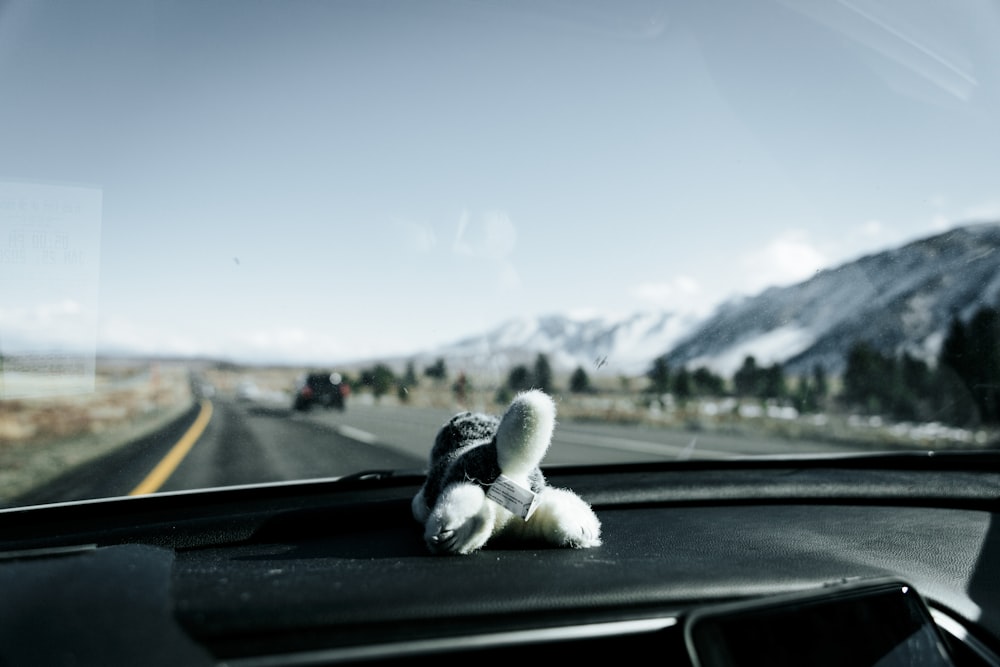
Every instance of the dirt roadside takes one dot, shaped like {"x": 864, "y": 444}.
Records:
{"x": 42, "y": 438}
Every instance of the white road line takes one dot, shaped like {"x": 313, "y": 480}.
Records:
{"x": 643, "y": 446}
{"x": 357, "y": 434}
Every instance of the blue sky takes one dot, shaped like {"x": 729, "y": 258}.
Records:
{"x": 324, "y": 181}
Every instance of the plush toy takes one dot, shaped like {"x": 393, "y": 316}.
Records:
{"x": 484, "y": 481}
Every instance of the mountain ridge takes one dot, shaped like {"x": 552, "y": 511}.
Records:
{"x": 898, "y": 300}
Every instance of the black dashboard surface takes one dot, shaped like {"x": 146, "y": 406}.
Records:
{"x": 327, "y": 571}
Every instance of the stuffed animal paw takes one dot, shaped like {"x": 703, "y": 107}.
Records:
{"x": 484, "y": 481}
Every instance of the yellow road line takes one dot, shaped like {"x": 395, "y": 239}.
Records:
{"x": 155, "y": 479}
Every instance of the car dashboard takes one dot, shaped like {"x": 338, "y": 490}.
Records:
{"x": 335, "y": 571}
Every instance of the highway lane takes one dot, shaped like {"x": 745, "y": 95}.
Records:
{"x": 412, "y": 430}
{"x": 240, "y": 442}
{"x": 247, "y": 443}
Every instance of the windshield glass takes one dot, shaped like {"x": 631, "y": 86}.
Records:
{"x": 248, "y": 242}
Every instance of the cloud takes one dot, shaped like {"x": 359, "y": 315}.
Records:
{"x": 665, "y": 292}
{"x": 288, "y": 344}
{"x": 872, "y": 229}
{"x": 63, "y": 324}
{"x": 305, "y": 345}
{"x": 870, "y": 236}
{"x": 585, "y": 313}
{"x": 941, "y": 223}
{"x": 680, "y": 293}
{"x": 984, "y": 212}
{"x": 787, "y": 259}
{"x": 119, "y": 335}
{"x": 793, "y": 256}
{"x": 287, "y": 338}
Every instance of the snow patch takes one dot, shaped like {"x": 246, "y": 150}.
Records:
{"x": 766, "y": 349}
{"x": 600, "y": 345}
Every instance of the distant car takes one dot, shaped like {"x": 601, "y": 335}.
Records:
{"x": 324, "y": 389}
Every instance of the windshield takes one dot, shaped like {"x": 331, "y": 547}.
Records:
{"x": 246, "y": 242}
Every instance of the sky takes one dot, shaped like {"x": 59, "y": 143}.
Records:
{"x": 317, "y": 182}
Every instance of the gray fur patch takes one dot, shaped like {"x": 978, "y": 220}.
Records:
{"x": 465, "y": 450}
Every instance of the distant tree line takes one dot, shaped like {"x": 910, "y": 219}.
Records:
{"x": 972, "y": 352}
{"x": 682, "y": 383}
{"x": 749, "y": 381}
{"x": 380, "y": 379}
{"x": 962, "y": 389}
{"x": 522, "y": 378}
{"x": 899, "y": 386}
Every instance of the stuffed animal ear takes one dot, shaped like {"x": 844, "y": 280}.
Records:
{"x": 525, "y": 432}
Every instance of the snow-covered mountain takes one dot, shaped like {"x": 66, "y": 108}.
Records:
{"x": 597, "y": 344}
{"x": 900, "y": 299}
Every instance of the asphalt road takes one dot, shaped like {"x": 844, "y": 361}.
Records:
{"x": 411, "y": 431}
{"x": 223, "y": 442}
{"x": 240, "y": 443}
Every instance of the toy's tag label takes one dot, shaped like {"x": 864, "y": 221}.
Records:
{"x": 513, "y": 497}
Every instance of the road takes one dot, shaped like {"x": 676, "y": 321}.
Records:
{"x": 411, "y": 431}
{"x": 224, "y": 442}
{"x": 240, "y": 443}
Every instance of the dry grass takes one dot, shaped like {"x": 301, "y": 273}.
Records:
{"x": 41, "y": 438}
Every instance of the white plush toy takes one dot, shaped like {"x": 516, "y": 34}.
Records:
{"x": 484, "y": 481}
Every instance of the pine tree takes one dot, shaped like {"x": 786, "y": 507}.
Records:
{"x": 410, "y": 376}
{"x": 579, "y": 383}
{"x": 659, "y": 376}
{"x": 772, "y": 382}
{"x": 746, "y": 380}
{"x": 907, "y": 387}
{"x": 866, "y": 378}
{"x": 543, "y": 374}
{"x": 970, "y": 362}
{"x": 682, "y": 385}
{"x": 804, "y": 397}
{"x": 380, "y": 379}
{"x": 437, "y": 370}
{"x": 706, "y": 383}
{"x": 519, "y": 378}
{"x": 950, "y": 399}
{"x": 955, "y": 349}
{"x": 820, "y": 385}
{"x": 984, "y": 366}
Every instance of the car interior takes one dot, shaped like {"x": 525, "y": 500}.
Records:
{"x": 335, "y": 571}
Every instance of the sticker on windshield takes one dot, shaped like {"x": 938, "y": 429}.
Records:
{"x": 50, "y": 240}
